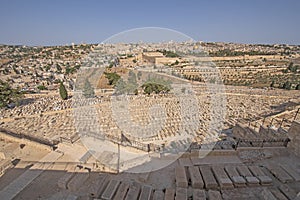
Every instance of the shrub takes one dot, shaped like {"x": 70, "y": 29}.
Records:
{"x": 42, "y": 87}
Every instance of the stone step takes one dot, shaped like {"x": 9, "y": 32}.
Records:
{"x": 199, "y": 194}
{"x": 263, "y": 179}
{"x": 170, "y": 194}
{"x": 180, "y": 176}
{"x": 181, "y": 194}
{"x": 110, "y": 189}
{"x": 214, "y": 195}
{"x": 222, "y": 178}
{"x": 208, "y": 177}
{"x": 196, "y": 178}
{"x": 146, "y": 192}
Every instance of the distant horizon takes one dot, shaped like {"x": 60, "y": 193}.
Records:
{"x": 93, "y": 43}
{"x": 59, "y": 23}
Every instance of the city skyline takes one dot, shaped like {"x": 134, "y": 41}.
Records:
{"x": 36, "y": 23}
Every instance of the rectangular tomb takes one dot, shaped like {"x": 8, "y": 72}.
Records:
{"x": 208, "y": 178}
{"x": 122, "y": 191}
{"x": 98, "y": 186}
{"x": 158, "y": 195}
{"x": 249, "y": 177}
{"x": 170, "y": 194}
{"x": 146, "y": 193}
{"x": 292, "y": 172}
{"x": 237, "y": 180}
{"x": 222, "y": 178}
{"x": 77, "y": 181}
{"x": 64, "y": 180}
{"x": 181, "y": 194}
{"x": 214, "y": 195}
{"x": 287, "y": 191}
{"x": 110, "y": 189}
{"x": 199, "y": 194}
{"x": 280, "y": 174}
{"x": 181, "y": 179}
{"x": 133, "y": 192}
{"x": 267, "y": 195}
{"x": 278, "y": 194}
{"x": 262, "y": 177}
{"x": 196, "y": 178}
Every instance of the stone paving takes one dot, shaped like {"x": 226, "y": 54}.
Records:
{"x": 11, "y": 190}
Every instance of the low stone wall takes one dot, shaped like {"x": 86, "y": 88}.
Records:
{"x": 4, "y": 165}
{"x": 294, "y": 136}
{"x": 7, "y": 137}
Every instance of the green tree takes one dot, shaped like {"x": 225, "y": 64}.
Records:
{"x": 127, "y": 87}
{"x": 120, "y": 87}
{"x": 287, "y": 85}
{"x": 88, "y": 90}
{"x": 298, "y": 87}
{"x": 112, "y": 78}
{"x": 8, "y": 94}
{"x": 157, "y": 88}
{"x": 62, "y": 91}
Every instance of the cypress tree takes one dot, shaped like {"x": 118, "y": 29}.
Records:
{"x": 62, "y": 91}
{"x": 88, "y": 90}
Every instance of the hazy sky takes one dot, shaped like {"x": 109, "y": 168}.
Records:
{"x": 58, "y": 22}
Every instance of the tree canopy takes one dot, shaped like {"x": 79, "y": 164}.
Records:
{"x": 88, "y": 90}
{"x": 112, "y": 78}
{"x": 8, "y": 94}
{"x": 62, "y": 91}
{"x": 156, "y": 85}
